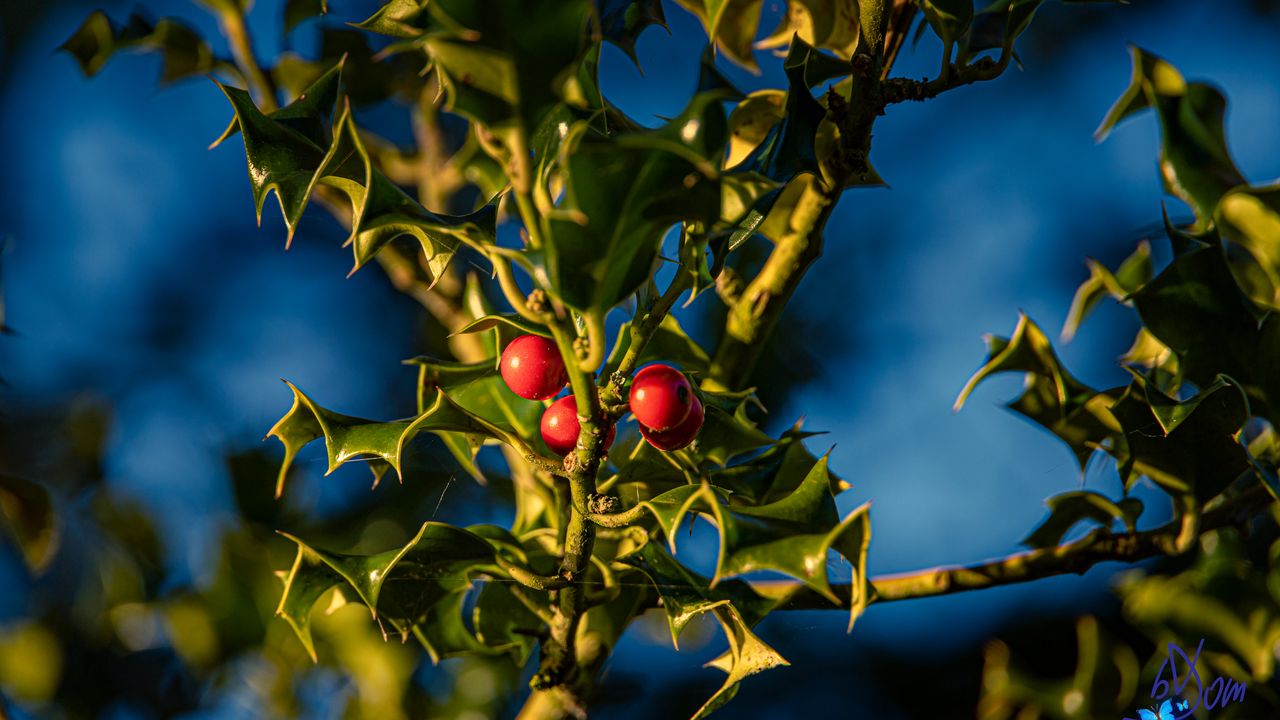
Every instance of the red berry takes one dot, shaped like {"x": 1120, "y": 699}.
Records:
{"x": 532, "y": 367}
{"x": 560, "y": 427}
{"x": 661, "y": 397}
{"x": 680, "y": 435}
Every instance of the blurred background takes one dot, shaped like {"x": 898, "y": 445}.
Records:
{"x": 153, "y": 319}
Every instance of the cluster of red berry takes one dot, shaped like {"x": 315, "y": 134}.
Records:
{"x": 669, "y": 412}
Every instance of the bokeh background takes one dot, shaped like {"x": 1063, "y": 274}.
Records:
{"x": 154, "y": 319}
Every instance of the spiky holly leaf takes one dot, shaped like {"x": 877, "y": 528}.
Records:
{"x": 297, "y": 12}
{"x": 1250, "y": 218}
{"x": 502, "y": 622}
{"x": 455, "y": 377}
{"x": 774, "y": 473}
{"x": 621, "y": 197}
{"x": 505, "y": 64}
{"x": 792, "y": 535}
{"x": 511, "y": 320}
{"x": 730, "y": 24}
{"x": 1194, "y": 160}
{"x": 1052, "y": 397}
{"x": 1068, "y": 509}
{"x": 404, "y": 586}
{"x": 398, "y": 18}
{"x": 348, "y": 438}
{"x": 726, "y": 435}
{"x": 1185, "y": 446}
{"x": 27, "y": 519}
{"x": 686, "y": 594}
{"x": 950, "y": 19}
{"x": 1132, "y": 274}
{"x": 747, "y": 656}
{"x": 829, "y": 24}
{"x": 183, "y": 51}
{"x": 622, "y": 21}
{"x": 1196, "y": 308}
{"x": 284, "y": 154}
{"x": 311, "y": 113}
{"x": 788, "y": 147}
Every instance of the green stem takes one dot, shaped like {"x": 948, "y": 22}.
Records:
{"x": 752, "y": 318}
{"x": 1075, "y": 557}
{"x": 238, "y": 38}
{"x": 641, "y": 330}
{"x": 560, "y": 664}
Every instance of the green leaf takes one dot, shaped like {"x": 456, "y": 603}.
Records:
{"x": 505, "y": 63}
{"x": 455, "y": 378}
{"x": 184, "y": 53}
{"x": 298, "y": 11}
{"x": 1016, "y": 14}
{"x": 1195, "y": 307}
{"x": 280, "y": 159}
{"x": 828, "y": 24}
{"x": 404, "y": 586}
{"x": 350, "y": 438}
{"x": 1052, "y": 397}
{"x": 788, "y": 147}
{"x": 1194, "y": 161}
{"x": 511, "y": 320}
{"x": 747, "y": 656}
{"x": 311, "y": 113}
{"x": 622, "y": 21}
{"x": 1250, "y": 218}
{"x": 27, "y": 519}
{"x": 1132, "y": 274}
{"x": 726, "y": 435}
{"x": 503, "y": 622}
{"x": 1153, "y": 77}
{"x": 398, "y": 18}
{"x": 686, "y": 595}
{"x": 284, "y": 155}
{"x": 792, "y": 535}
{"x": 774, "y": 473}
{"x": 621, "y": 197}
{"x": 949, "y": 18}
{"x": 1070, "y": 508}
{"x": 381, "y": 211}
{"x": 1187, "y": 446}
{"x": 1028, "y": 351}
{"x": 730, "y": 24}
{"x": 751, "y": 121}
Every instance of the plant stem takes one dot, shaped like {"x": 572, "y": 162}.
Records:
{"x": 641, "y": 330}
{"x": 241, "y": 43}
{"x": 1075, "y": 557}
{"x": 560, "y": 664}
{"x": 752, "y": 318}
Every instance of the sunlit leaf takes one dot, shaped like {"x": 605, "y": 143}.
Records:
{"x": 827, "y": 24}
{"x": 1070, "y": 508}
{"x": 350, "y": 438}
{"x": 431, "y": 569}
{"x": 1132, "y": 274}
{"x": 183, "y": 51}
{"x": 1194, "y": 160}
{"x": 27, "y": 519}
{"x": 1250, "y": 218}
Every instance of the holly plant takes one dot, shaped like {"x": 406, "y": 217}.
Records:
{"x": 569, "y": 375}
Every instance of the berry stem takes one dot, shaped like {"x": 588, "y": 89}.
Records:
{"x": 641, "y": 331}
